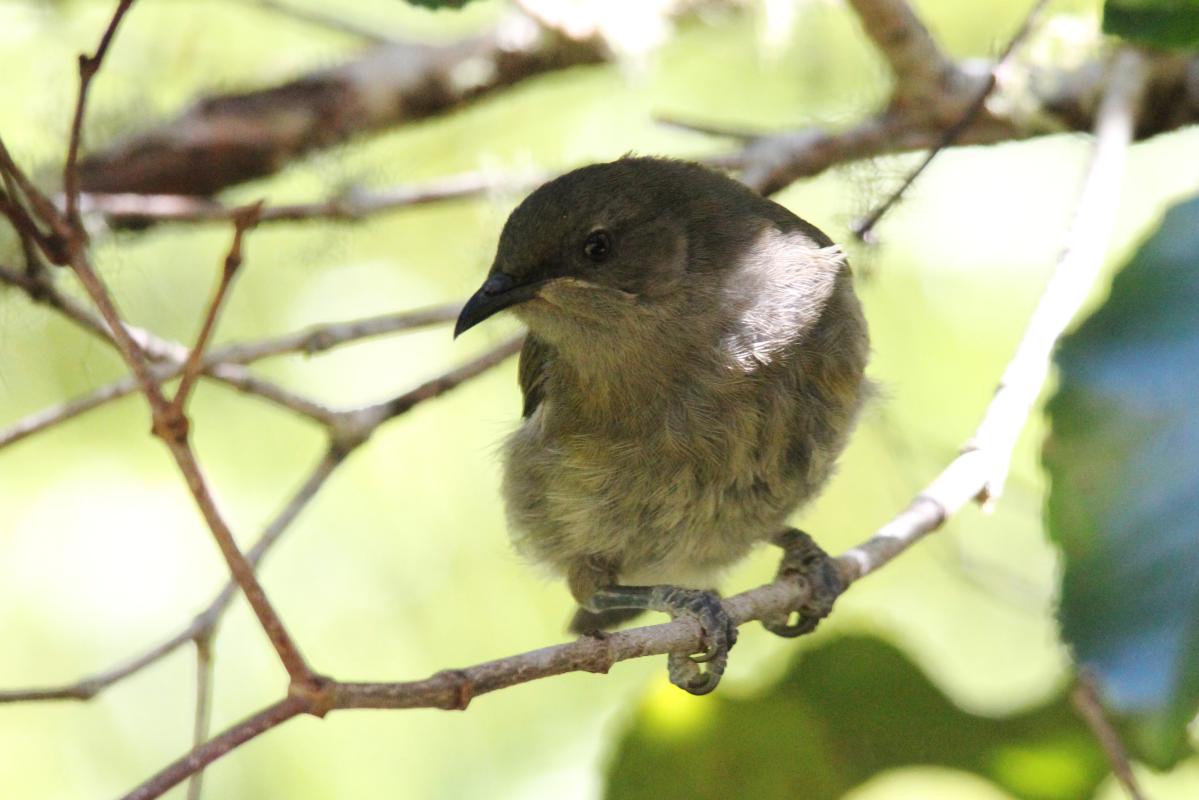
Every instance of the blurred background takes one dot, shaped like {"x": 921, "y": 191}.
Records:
{"x": 401, "y": 565}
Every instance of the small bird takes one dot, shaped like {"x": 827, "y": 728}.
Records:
{"x": 693, "y": 367}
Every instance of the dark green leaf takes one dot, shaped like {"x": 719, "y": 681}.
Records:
{"x": 1123, "y": 460}
{"x": 1158, "y": 23}
{"x": 842, "y": 714}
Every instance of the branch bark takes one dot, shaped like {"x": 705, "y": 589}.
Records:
{"x": 1064, "y": 102}
{"x": 226, "y": 140}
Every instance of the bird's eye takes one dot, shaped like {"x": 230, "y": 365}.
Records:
{"x": 597, "y": 245}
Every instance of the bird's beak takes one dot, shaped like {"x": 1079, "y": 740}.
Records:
{"x": 498, "y": 292}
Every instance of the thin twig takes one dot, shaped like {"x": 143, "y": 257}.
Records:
{"x": 319, "y": 338}
{"x": 170, "y": 424}
{"x": 221, "y": 364}
{"x": 245, "y": 219}
{"x": 52, "y": 244}
{"x": 270, "y": 717}
{"x": 203, "y": 719}
{"x": 1085, "y": 697}
{"x": 863, "y": 228}
{"x": 356, "y": 204}
{"x": 88, "y": 67}
{"x": 204, "y": 622}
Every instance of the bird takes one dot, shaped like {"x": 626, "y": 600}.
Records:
{"x": 694, "y": 365}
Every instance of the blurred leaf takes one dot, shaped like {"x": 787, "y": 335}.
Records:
{"x": 1123, "y": 461}
{"x": 840, "y": 715}
{"x": 1158, "y": 23}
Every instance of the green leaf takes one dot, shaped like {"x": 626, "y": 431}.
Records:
{"x": 1157, "y": 23}
{"x": 1123, "y": 461}
{"x": 840, "y": 715}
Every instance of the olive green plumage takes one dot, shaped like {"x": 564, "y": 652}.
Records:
{"x": 693, "y": 368}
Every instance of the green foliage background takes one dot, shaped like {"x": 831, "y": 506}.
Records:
{"x": 401, "y": 566}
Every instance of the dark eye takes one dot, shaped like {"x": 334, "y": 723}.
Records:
{"x": 597, "y": 245}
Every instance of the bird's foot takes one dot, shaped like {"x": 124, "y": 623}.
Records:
{"x": 803, "y": 559}
{"x": 697, "y": 673}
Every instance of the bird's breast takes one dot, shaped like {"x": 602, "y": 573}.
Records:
{"x": 695, "y": 485}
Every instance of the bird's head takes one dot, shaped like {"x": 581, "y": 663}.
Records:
{"x": 600, "y": 245}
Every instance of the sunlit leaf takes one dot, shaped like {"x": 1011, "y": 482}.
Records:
{"x": 841, "y": 715}
{"x": 1123, "y": 460}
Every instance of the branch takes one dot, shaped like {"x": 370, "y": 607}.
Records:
{"x": 228, "y": 139}
{"x": 973, "y": 475}
{"x": 270, "y": 717}
{"x": 88, "y": 67}
{"x": 141, "y": 210}
{"x": 1085, "y": 698}
{"x": 1064, "y": 101}
{"x": 204, "y": 624}
{"x": 222, "y": 364}
{"x": 243, "y": 220}
{"x": 863, "y": 228}
{"x": 919, "y": 66}
{"x": 203, "y": 719}
{"x": 170, "y": 424}
{"x": 168, "y": 355}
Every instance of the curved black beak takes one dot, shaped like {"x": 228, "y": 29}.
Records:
{"x": 498, "y": 292}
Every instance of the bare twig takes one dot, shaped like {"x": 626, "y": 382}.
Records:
{"x": 319, "y": 338}
{"x": 16, "y": 181}
{"x": 243, "y": 220}
{"x": 203, "y": 719}
{"x": 170, "y": 424}
{"x": 1085, "y": 697}
{"x": 169, "y": 355}
{"x": 221, "y": 363}
{"x": 863, "y": 228}
{"x": 356, "y": 204}
{"x": 270, "y": 717}
{"x": 205, "y": 622}
{"x": 88, "y": 67}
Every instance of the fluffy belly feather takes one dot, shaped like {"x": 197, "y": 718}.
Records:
{"x": 658, "y": 509}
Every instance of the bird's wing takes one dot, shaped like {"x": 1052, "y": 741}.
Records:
{"x": 534, "y": 359}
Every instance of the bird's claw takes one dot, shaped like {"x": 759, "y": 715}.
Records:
{"x": 719, "y": 635}
{"x": 803, "y": 559}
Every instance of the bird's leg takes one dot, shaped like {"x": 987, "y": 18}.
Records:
{"x": 804, "y": 559}
{"x": 704, "y": 606}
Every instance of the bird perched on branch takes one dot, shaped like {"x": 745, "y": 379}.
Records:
{"x": 693, "y": 367}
